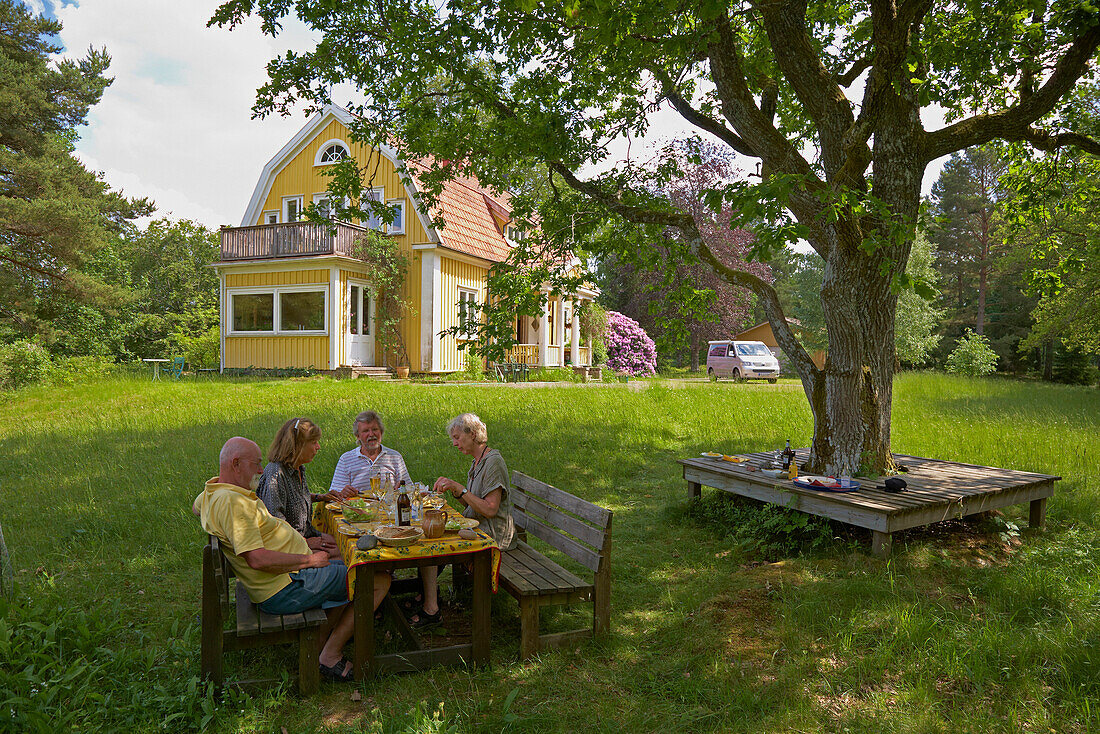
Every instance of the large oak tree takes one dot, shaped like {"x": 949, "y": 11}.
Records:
{"x": 827, "y": 96}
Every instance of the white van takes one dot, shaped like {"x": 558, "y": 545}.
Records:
{"x": 741, "y": 361}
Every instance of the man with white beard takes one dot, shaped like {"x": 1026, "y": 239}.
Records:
{"x": 280, "y": 572}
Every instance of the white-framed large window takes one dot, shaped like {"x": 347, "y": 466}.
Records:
{"x": 300, "y": 310}
{"x": 467, "y": 313}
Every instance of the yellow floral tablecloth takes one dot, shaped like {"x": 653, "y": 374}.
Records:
{"x": 447, "y": 547}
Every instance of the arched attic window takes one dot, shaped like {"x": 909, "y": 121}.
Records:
{"x": 331, "y": 152}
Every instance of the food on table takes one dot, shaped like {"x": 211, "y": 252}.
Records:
{"x": 360, "y": 510}
{"x": 466, "y": 534}
{"x": 367, "y": 542}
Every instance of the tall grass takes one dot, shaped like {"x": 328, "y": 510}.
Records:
{"x": 966, "y": 628}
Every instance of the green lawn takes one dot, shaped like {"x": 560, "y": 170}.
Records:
{"x": 725, "y": 617}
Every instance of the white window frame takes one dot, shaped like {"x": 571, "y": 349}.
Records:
{"x": 400, "y": 203}
{"x": 467, "y": 295}
{"x": 377, "y": 193}
{"x": 276, "y": 316}
{"x": 325, "y": 146}
{"x": 325, "y": 196}
{"x": 300, "y": 200}
{"x": 266, "y": 217}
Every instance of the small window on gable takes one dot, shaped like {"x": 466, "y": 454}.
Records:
{"x": 397, "y": 225}
{"x": 271, "y": 217}
{"x": 332, "y": 154}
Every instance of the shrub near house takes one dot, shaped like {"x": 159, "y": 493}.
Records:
{"x": 629, "y": 348}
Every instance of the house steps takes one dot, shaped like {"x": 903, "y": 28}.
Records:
{"x": 381, "y": 374}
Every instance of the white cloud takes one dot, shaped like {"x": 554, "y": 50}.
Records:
{"x": 176, "y": 123}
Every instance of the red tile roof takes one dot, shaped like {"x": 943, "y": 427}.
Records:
{"x": 466, "y": 209}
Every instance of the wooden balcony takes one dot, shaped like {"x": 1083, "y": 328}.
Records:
{"x": 293, "y": 239}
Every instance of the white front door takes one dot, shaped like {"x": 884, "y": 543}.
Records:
{"x": 360, "y": 338}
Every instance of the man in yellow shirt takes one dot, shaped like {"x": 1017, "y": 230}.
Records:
{"x": 276, "y": 566}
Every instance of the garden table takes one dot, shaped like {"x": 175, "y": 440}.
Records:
{"x": 156, "y": 366}
{"x": 938, "y": 490}
{"x": 484, "y": 554}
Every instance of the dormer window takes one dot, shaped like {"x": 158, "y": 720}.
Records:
{"x": 512, "y": 233}
{"x": 332, "y": 151}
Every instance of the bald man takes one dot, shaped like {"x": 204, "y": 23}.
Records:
{"x": 280, "y": 572}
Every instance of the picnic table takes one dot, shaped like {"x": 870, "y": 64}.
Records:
{"x": 484, "y": 554}
{"x": 937, "y": 490}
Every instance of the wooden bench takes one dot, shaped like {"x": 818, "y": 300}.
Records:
{"x": 254, "y": 628}
{"x": 577, "y": 528}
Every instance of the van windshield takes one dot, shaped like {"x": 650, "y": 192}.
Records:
{"x": 753, "y": 350}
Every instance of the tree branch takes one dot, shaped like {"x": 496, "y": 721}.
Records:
{"x": 697, "y": 118}
{"x": 1014, "y": 123}
{"x": 846, "y": 79}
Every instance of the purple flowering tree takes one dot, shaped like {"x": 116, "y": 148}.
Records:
{"x": 629, "y": 348}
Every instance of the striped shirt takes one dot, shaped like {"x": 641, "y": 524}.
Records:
{"x": 356, "y": 469}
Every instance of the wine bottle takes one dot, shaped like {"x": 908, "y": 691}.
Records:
{"x": 404, "y": 507}
{"x": 788, "y": 457}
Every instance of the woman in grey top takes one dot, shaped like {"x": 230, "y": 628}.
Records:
{"x": 486, "y": 497}
{"x": 283, "y": 484}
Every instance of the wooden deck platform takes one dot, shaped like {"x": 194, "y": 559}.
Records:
{"x": 937, "y": 490}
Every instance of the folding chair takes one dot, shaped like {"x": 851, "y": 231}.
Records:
{"x": 177, "y": 367}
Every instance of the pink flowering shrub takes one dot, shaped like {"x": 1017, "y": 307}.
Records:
{"x": 629, "y": 348}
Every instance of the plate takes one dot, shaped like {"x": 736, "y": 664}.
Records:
{"x": 467, "y": 523}
{"x": 349, "y": 530}
{"x": 334, "y": 506}
{"x": 397, "y": 537}
{"x": 712, "y": 455}
{"x": 827, "y": 484}
{"x": 734, "y": 459}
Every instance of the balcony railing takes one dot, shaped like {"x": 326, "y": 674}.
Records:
{"x": 527, "y": 354}
{"x": 293, "y": 239}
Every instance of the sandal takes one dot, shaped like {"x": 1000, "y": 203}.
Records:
{"x": 423, "y": 619}
{"x": 340, "y": 672}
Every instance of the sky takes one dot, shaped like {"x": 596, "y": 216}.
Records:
{"x": 176, "y": 125}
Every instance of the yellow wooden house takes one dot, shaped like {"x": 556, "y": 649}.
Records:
{"x": 293, "y": 296}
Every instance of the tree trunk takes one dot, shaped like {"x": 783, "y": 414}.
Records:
{"x": 1048, "y": 360}
{"x": 694, "y": 352}
{"x": 851, "y": 397}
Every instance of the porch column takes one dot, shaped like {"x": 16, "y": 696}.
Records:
{"x": 544, "y": 333}
{"x": 559, "y": 327}
{"x": 575, "y": 334}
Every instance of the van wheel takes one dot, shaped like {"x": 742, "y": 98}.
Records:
{"x": 736, "y": 375}
{"x": 710, "y": 373}
{"x": 772, "y": 380}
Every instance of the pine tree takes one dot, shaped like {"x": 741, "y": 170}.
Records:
{"x": 54, "y": 214}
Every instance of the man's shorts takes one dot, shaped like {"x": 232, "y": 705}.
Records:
{"x": 311, "y": 588}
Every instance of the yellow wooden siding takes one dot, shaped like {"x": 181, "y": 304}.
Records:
{"x": 272, "y": 352}
{"x": 285, "y": 277}
{"x": 300, "y": 177}
{"x": 455, "y": 275}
